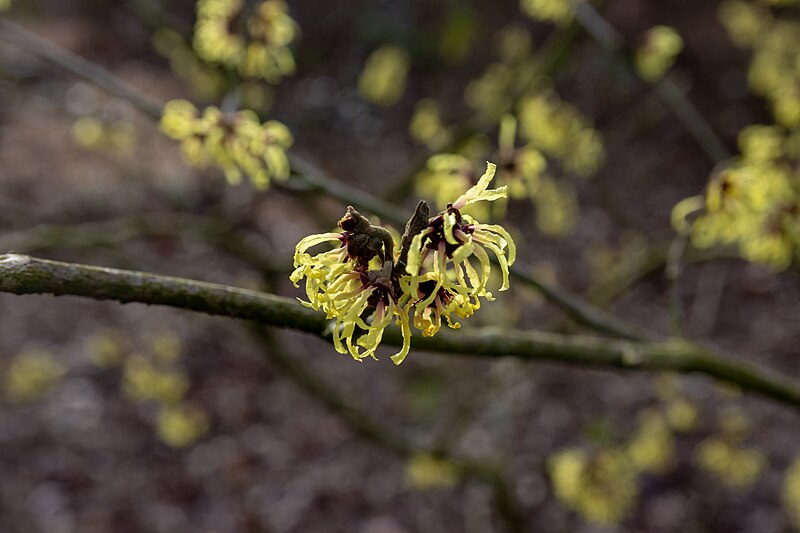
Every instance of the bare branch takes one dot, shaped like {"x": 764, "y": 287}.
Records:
{"x": 20, "y": 274}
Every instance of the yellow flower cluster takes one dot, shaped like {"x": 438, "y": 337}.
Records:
{"x": 559, "y": 11}
{"x": 450, "y": 283}
{"x": 602, "y": 487}
{"x": 260, "y": 52}
{"x": 118, "y": 138}
{"x": 238, "y": 142}
{"x": 383, "y": 80}
{"x": 774, "y": 71}
{"x": 492, "y": 93}
{"x": 725, "y": 456}
{"x": 156, "y": 377}
{"x": 31, "y": 374}
{"x": 661, "y": 46}
{"x": 426, "y": 125}
{"x": 181, "y": 425}
{"x": 561, "y": 132}
{"x": 442, "y": 269}
{"x": 652, "y": 448}
{"x": 737, "y": 467}
{"x": 426, "y": 471}
{"x": 502, "y": 82}
{"x": 754, "y": 202}
{"x": 523, "y": 169}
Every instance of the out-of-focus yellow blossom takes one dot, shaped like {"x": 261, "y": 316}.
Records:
{"x": 558, "y": 11}
{"x": 213, "y": 40}
{"x": 521, "y": 169}
{"x": 237, "y": 142}
{"x": 745, "y": 21}
{"x": 118, "y": 138}
{"x": 735, "y": 466}
{"x": 447, "y": 176}
{"x": 602, "y": 487}
{"x": 104, "y": 349}
{"x": 383, "y": 80}
{"x": 682, "y": 415}
{"x": 561, "y": 132}
{"x": 5, "y": 4}
{"x": 262, "y": 52}
{"x": 426, "y": 125}
{"x": 143, "y": 380}
{"x": 501, "y": 83}
{"x": 661, "y": 46}
{"x": 522, "y": 166}
{"x": 753, "y": 202}
{"x": 181, "y": 425}
{"x": 87, "y": 132}
{"x": 426, "y": 471}
{"x": 31, "y": 374}
{"x": 791, "y": 492}
{"x": 271, "y": 30}
{"x": 775, "y": 71}
{"x": 206, "y": 81}
{"x": 514, "y": 43}
{"x": 652, "y": 449}
{"x": 166, "y": 347}
{"x": 491, "y": 94}
{"x": 556, "y": 207}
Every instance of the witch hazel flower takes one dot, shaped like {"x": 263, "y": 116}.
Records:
{"x": 442, "y": 278}
{"x": 441, "y": 269}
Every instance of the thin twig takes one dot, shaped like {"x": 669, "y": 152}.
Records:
{"x": 78, "y": 65}
{"x": 666, "y": 88}
{"x": 674, "y": 272}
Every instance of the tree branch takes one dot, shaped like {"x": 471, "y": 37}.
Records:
{"x": 667, "y": 90}
{"x": 79, "y": 66}
{"x": 20, "y": 274}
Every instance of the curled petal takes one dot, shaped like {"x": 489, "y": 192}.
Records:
{"x": 405, "y": 327}
{"x": 312, "y": 240}
{"x": 479, "y": 192}
{"x": 501, "y": 258}
{"x": 501, "y": 231}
